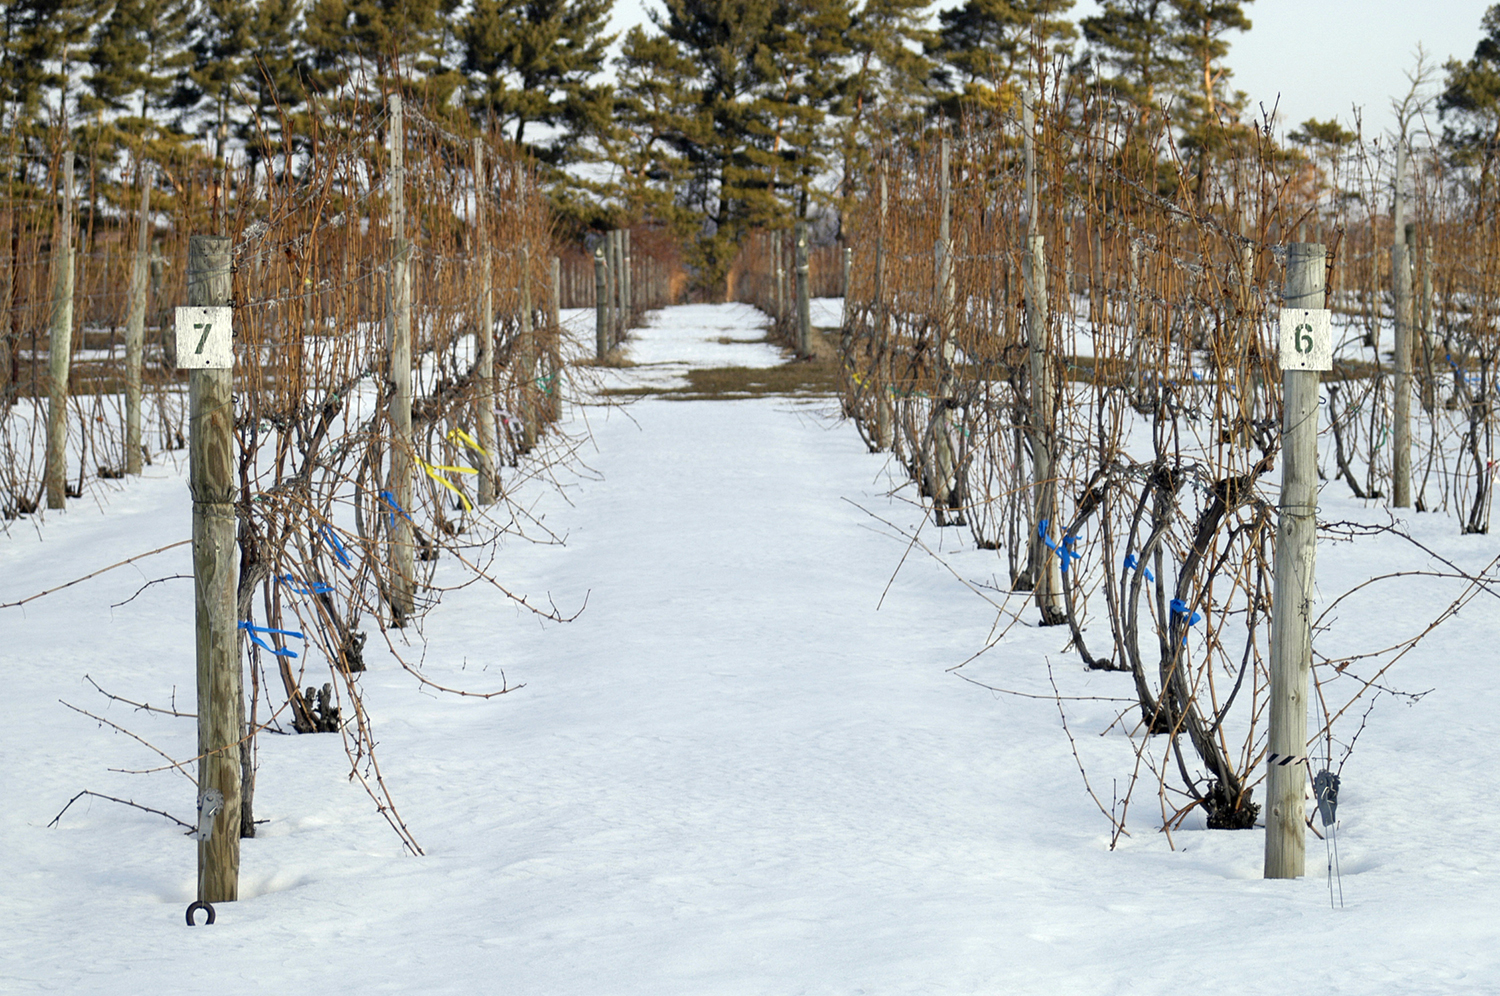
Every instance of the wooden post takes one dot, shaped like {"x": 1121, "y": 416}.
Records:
{"x": 804, "y": 306}
{"x": 883, "y": 416}
{"x": 398, "y": 349}
{"x": 1429, "y": 375}
{"x": 211, "y": 466}
{"x": 601, "y": 305}
{"x": 135, "y": 329}
{"x": 775, "y": 243}
{"x": 532, "y": 404}
{"x": 1046, "y": 568}
{"x": 627, "y": 298}
{"x": 60, "y": 346}
{"x": 1401, "y": 286}
{"x": 484, "y": 360}
{"x": 941, "y": 470}
{"x": 617, "y": 285}
{"x": 1291, "y": 618}
{"x": 554, "y": 341}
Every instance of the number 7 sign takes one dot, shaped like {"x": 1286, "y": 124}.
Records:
{"x": 1306, "y": 339}
{"x": 205, "y": 339}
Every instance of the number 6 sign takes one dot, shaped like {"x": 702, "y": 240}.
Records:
{"x": 205, "y": 338}
{"x": 1306, "y": 339}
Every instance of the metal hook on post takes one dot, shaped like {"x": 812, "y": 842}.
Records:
{"x": 210, "y": 804}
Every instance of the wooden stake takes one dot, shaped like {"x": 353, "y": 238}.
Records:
{"x": 601, "y": 304}
{"x": 1046, "y": 567}
{"x": 1291, "y": 617}
{"x": 804, "y": 306}
{"x": 211, "y": 466}
{"x": 398, "y": 348}
{"x": 554, "y": 343}
{"x": 1401, "y": 287}
{"x": 484, "y": 361}
{"x": 941, "y": 465}
{"x": 60, "y": 346}
{"x": 883, "y": 416}
{"x": 530, "y": 391}
{"x": 627, "y": 300}
{"x": 135, "y": 328}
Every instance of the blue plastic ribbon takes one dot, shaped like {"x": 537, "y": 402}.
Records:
{"x": 1180, "y": 608}
{"x": 390, "y": 500}
{"x": 338, "y": 548}
{"x": 1130, "y": 565}
{"x": 1061, "y": 549}
{"x": 1066, "y": 554}
{"x": 252, "y": 629}
{"x": 316, "y": 588}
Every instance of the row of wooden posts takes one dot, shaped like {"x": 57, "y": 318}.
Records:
{"x": 220, "y": 695}
{"x": 612, "y": 291}
{"x": 1296, "y": 533}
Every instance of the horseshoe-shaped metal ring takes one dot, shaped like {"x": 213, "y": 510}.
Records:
{"x": 200, "y": 905}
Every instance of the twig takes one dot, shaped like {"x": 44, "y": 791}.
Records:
{"x": 169, "y": 577}
{"x": 102, "y": 570}
{"x": 140, "y": 705}
{"x": 123, "y": 802}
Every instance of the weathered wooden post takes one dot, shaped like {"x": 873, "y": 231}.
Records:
{"x": 205, "y": 347}
{"x": 534, "y": 388}
{"x": 135, "y": 328}
{"x": 804, "y": 306}
{"x": 60, "y": 346}
{"x": 774, "y": 238}
{"x": 1046, "y": 568}
{"x": 1401, "y": 287}
{"x": 1429, "y": 375}
{"x": 941, "y": 465}
{"x": 601, "y": 305}
{"x": 617, "y": 284}
{"x": 484, "y": 361}
{"x": 1306, "y": 348}
{"x": 398, "y": 392}
{"x": 627, "y": 299}
{"x": 884, "y": 421}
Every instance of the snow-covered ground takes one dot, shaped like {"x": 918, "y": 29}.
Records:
{"x": 743, "y": 769}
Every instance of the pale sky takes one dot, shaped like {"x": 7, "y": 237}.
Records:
{"x": 1321, "y": 57}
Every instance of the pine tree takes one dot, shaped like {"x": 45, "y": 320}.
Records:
{"x": 532, "y": 63}
{"x": 986, "y": 50}
{"x": 887, "y": 85}
{"x": 139, "y": 62}
{"x": 1208, "y": 112}
{"x": 274, "y": 81}
{"x": 1470, "y": 101}
{"x": 655, "y": 109}
{"x": 376, "y": 44}
{"x": 1132, "y": 45}
{"x": 712, "y": 58}
{"x": 222, "y": 48}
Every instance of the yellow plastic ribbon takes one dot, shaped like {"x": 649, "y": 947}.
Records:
{"x": 432, "y": 472}
{"x": 468, "y": 441}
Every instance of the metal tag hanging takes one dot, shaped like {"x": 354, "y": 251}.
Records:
{"x": 1326, "y": 792}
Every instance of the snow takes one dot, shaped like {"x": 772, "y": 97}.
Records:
{"x": 744, "y": 768}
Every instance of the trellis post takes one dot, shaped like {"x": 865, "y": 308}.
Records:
{"x": 211, "y": 466}
{"x": 135, "y": 328}
{"x": 398, "y": 349}
{"x": 60, "y": 346}
{"x": 484, "y": 361}
{"x": 1306, "y": 348}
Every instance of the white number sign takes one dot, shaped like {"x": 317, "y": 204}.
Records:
{"x": 1306, "y": 339}
{"x": 205, "y": 339}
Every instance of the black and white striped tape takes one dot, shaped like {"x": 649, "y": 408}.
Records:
{"x": 1282, "y": 760}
